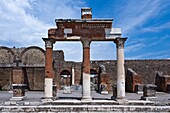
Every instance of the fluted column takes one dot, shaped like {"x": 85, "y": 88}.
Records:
{"x": 49, "y": 74}
{"x": 86, "y": 94}
{"x": 120, "y": 69}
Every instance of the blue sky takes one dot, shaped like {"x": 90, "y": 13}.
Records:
{"x": 146, "y": 23}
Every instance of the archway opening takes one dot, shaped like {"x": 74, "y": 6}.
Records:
{"x": 65, "y": 78}
{"x": 93, "y": 79}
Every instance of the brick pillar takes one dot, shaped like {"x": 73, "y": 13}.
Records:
{"x": 120, "y": 70}
{"x": 86, "y": 94}
{"x": 49, "y": 74}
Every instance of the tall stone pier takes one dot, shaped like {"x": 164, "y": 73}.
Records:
{"x": 48, "y": 69}
{"x": 120, "y": 69}
{"x": 86, "y": 94}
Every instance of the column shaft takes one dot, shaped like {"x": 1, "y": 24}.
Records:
{"x": 49, "y": 74}
{"x": 120, "y": 74}
{"x": 86, "y": 94}
{"x": 120, "y": 68}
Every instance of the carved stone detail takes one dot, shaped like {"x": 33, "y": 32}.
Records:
{"x": 48, "y": 43}
{"x": 86, "y": 42}
{"x": 120, "y": 42}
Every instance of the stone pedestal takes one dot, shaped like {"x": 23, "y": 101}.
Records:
{"x": 18, "y": 84}
{"x": 139, "y": 88}
{"x": 114, "y": 92}
{"x": 55, "y": 91}
{"x": 18, "y": 91}
{"x": 149, "y": 92}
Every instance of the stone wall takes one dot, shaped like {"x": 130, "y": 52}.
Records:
{"x": 33, "y": 59}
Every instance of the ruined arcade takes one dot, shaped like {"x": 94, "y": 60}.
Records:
{"x": 33, "y": 68}
{"x": 85, "y": 30}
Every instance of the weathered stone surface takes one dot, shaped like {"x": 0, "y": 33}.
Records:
{"x": 132, "y": 79}
{"x": 67, "y": 90}
{"x": 139, "y": 88}
{"x": 161, "y": 81}
{"x": 35, "y": 76}
{"x": 149, "y": 90}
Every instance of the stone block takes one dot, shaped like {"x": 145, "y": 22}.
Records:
{"x": 78, "y": 88}
{"x": 19, "y": 90}
{"x": 149, "y": 92}
{"x": 132, "y": 79}
{"x": 138, "y": 88}
{"x": 67, "y": 90}
{"x": 54, "y": 90}
{"x": 114, "y": 92}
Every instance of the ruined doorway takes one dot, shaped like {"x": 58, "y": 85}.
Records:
{"x": 93, "y": 79}
{"x": 65, "y": 78}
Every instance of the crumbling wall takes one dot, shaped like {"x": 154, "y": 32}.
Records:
{"x": 33, "y": 56}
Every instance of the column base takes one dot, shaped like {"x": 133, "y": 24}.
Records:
{"x": 122, "y": 100}
{"x": 18, "y": 98}
{"x": 86, "y": 99}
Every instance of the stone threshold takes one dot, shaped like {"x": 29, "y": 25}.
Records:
{"x": 85, "y": 108}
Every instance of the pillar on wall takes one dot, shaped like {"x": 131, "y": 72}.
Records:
{"x": 86, "y": 94}
{"x": 121, "y": 97}
{"x": 49, "y": 73}
{"x": 73, "y": 76}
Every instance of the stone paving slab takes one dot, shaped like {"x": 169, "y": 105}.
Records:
{"x": 85, "y": 108}
{"x": 72, "y": 103}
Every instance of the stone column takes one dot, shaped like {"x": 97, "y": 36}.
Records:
{"x": 48, "y": 69}
{"x": 72, "y": 77}
{"x": 120, "y": 70}
{"x": 86, "y": 94}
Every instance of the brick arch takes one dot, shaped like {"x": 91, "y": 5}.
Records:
{"x": 6, "y": 55}
{"x": 33, "y": 55}
{"x": 65, "y": 78}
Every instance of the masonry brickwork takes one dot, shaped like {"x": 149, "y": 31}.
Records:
{"x": 33, "y": 60}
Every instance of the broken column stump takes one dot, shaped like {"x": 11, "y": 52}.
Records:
{"x": 132, "y": 79}
{"x": 18, "y": 84}
{"x": 149, "y": 92}
{"x": 114, "y": 92}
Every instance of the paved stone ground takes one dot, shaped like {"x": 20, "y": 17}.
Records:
{"x": 35, "y": 96}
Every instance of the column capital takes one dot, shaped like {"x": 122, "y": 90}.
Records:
{"x": 120, "y": 42}
{"x": 86, "y": 42}
{"x": 48, "y": 42}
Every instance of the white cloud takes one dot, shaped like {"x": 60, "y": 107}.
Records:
{"x": 157, "y": 28}
{"x": 25, "y": 22}
{"x": 136, "y": 13}
{"x": 18, "y": 27}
